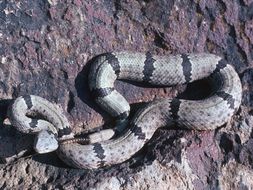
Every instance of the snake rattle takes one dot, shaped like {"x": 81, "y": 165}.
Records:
{"x": 205, "y": 114}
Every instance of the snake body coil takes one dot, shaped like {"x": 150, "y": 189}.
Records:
{"x": 206, "y": 114}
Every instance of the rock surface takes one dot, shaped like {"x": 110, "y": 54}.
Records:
{"x": 45, "y": 50}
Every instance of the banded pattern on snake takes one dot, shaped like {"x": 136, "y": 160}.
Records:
{"x": 206, "y": 114}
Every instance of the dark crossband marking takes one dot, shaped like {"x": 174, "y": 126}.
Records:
{"x": 148, "y": 67}
{"x": 99, "y": 151}
{"x": 174, "y": 108}
{"x": 123, "y": 115}
{"x": 28, "y": 101}
{"x": 114, "y": 62}
{"x": 221, "y": 65}
{"x": 51, "y": 133}
{"x": 33, "y": 123}
{"x": 227, "y": 97}
{"x": 64, "y": 131}
{"x": 137, "y": 131}
{"x": 187, "y": 67}
{"x": 101, "y": 92}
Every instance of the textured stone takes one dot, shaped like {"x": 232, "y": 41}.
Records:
{"x": 236, "y": 176}
{"x": 46, "y": 48}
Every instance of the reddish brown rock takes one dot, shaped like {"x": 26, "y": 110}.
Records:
{"x": 45, "y": 50}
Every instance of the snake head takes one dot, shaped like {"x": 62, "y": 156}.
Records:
{"x": 45, "y": 142}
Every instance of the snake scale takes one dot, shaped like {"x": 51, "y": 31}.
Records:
{"x": 205, "y": 114}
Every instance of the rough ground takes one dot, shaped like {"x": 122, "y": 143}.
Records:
{"x": 45, "y": 48}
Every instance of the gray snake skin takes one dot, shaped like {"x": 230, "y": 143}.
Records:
{"x": 206, "y": 114}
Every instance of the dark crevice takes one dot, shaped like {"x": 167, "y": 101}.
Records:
{"x": 237, "y": 139}
{"x": 147, "y": 1}
{"x": 117, "y": 5}
{"x": 241, "y": 2}
{"x": 65, "y": 74}
{"x": 159, "y": 40}
{"x": 226, "y": 143}
{"x": 221, "y": 6}
{"x": 211, "y": 14}
{"x": 236, "y": 55}
{"x": 199, "y": 15}
{"x": 27, "y": 169}
{"x": 232, "y": 33}
{"x": 71, "y": 102}
{"x": 50, "y": 179}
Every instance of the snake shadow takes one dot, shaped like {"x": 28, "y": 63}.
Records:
{"x": 15, "y": 145}
{"x": 83, "y": 90}
{"x": 12, "y": 142}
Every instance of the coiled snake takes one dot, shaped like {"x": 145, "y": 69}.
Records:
{"x": 205, "y": 114}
